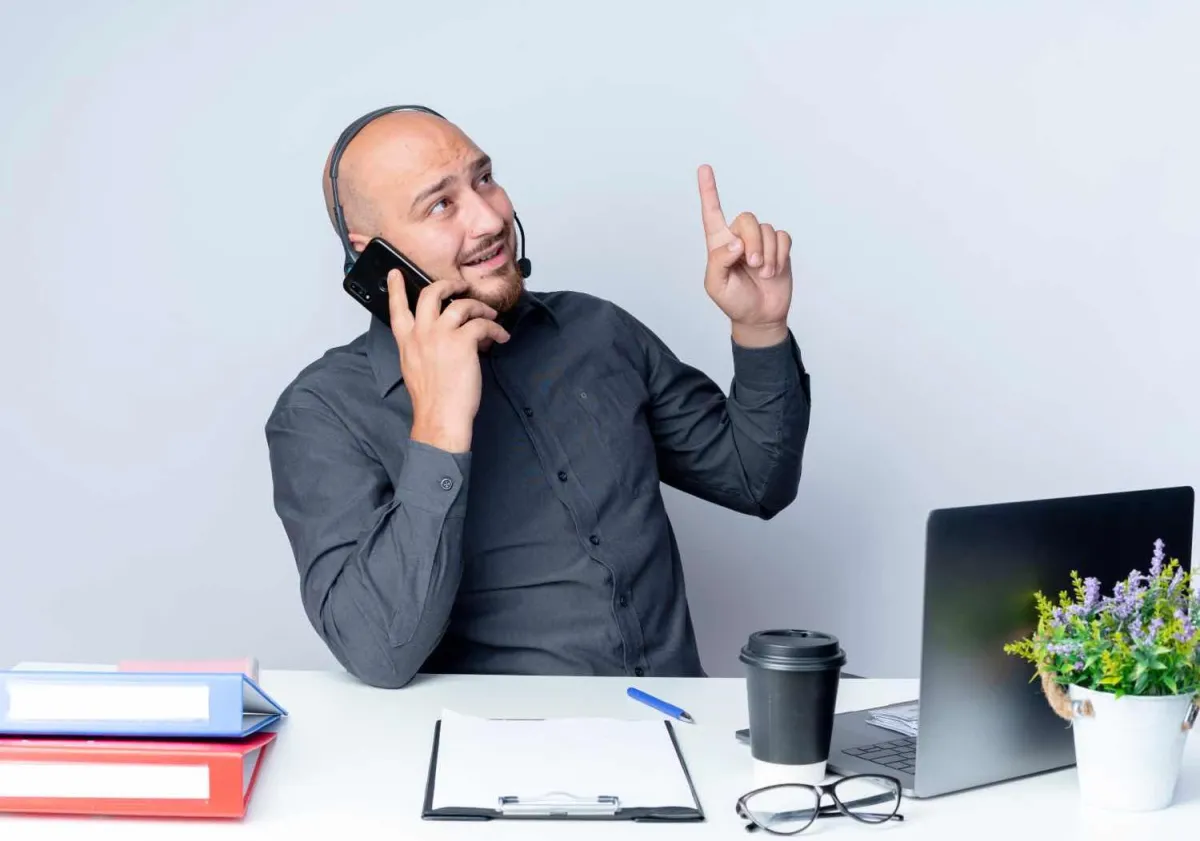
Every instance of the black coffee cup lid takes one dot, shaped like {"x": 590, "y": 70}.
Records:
{"x": 793, "y": 650}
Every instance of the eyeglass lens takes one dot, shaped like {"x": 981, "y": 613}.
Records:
{"x": 783, "y": 808}
{"x": 870, "y": 799}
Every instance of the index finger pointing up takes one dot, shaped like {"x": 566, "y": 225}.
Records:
{"x": 710, "y": 202}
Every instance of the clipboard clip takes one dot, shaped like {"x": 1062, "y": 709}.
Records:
{"x": 560, "y": 803}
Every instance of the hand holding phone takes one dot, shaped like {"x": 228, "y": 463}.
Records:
{"x": 367, "y": 283}
{"x": 439, "y": 336}
{"x": 439, "y": 347}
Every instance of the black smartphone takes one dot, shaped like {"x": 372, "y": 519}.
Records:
{"x": 366, "y": 281}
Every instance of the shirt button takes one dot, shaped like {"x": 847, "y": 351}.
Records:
{"x": 639, "y": 671}
{"x": 447, "y": 483}
{"x": 528, "y": 412}
{"x": 595, "y": 540}
{"x": 562, "y": 475}
{"x": 623, "y": 602}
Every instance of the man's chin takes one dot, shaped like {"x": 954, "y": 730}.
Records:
{"x": 500, "y": 289}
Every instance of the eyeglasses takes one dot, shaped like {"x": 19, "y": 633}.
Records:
{"x": 789, "y": 808}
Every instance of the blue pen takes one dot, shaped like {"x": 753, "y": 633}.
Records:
{"x": 660, "y": 705}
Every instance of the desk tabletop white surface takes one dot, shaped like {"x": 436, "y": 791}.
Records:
{"x": 351, "y": 762}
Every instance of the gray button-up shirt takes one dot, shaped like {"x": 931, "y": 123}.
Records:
{"x": 546, "y": 549}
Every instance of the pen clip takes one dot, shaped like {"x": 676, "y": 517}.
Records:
{"x": 559, "y": 803}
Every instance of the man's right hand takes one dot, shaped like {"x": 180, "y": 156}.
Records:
{"x": 439, "y": 357}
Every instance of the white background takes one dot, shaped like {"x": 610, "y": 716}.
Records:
{"x": 996, "y": 214}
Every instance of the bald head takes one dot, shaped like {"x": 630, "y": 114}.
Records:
{"x": 379, "y": 146}
{"x": 421, "y": 183}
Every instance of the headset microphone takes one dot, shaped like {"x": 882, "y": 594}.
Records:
{"x": 523, "y": 264}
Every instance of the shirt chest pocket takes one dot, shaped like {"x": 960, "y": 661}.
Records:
{"x": 616, "y": 406}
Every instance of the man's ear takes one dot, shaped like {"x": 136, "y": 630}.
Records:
{"x": 359, "y": 242}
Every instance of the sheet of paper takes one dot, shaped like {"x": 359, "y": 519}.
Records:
{"x": 900, "y": 719}
{"x": 481, "y": 760}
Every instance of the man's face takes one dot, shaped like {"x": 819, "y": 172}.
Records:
{"x": 432, "y": 195}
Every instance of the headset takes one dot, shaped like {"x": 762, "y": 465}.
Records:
{"x": 523, "y": 264}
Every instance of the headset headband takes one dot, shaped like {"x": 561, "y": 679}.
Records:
{"x": 335, "y": 160}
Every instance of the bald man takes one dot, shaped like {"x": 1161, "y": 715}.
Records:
{"x": 476, "y": 489}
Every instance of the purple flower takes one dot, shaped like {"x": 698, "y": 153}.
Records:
{"x": 1157, "y": 564}
{"x": 1079, "y": 664}
{"x": 1176, "y": 580}
{"x": 1135, "y": 632}
{"x": 1091, "y": 599}
{"x": 1185, "y": 634}
{"x": 1063, "y": 649}
{"x": 1125, "y": 601}
{"x": 1141, "y": 635}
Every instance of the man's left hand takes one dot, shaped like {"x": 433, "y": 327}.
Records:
{"x": 749, "y": 274}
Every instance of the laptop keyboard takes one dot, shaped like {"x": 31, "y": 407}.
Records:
{"x": 898, "y": 754}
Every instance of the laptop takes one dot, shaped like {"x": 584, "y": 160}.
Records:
{"x": 980, "y": 719}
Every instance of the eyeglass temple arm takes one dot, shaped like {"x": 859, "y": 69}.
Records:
{"x": 826, "y": 812}
{"x": 868, "y": 801}
{"x": 895, "y": 817}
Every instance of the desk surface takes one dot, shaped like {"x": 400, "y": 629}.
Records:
{"x": 351, "y": 762}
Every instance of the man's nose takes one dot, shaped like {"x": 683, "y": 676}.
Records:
{"x": 485, "y": 221}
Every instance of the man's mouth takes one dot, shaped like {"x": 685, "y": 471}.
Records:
{"x": 491, "y": 258}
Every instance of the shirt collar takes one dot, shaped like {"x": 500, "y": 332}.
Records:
{"x": 385, "y": 356}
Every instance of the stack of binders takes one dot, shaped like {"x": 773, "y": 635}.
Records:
{"x": 137, "y": 738}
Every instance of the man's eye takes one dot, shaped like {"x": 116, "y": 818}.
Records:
{"x": 434, "y": 209}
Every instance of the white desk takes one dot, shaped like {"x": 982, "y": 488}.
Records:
{"x": 351, "y": 763}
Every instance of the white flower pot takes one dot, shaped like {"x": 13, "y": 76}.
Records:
{"x": 1128, "y": 751}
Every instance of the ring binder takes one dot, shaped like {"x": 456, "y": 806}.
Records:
{"x": 560, "y": 804}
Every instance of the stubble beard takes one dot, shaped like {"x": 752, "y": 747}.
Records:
{"x": 503, "y": 298}
{"x": 504, "y": 283}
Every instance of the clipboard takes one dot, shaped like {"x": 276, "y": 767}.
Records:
{"x": 555, "y": 804}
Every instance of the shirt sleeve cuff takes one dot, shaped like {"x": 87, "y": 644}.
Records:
{"x": 769, "y": 368}
{"x": 434, "y": 480}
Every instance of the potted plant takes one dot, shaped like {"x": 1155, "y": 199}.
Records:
{"x": 1124, "y": 670}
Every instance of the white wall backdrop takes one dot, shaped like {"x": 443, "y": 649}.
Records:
{"x": 996, "y": 214}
